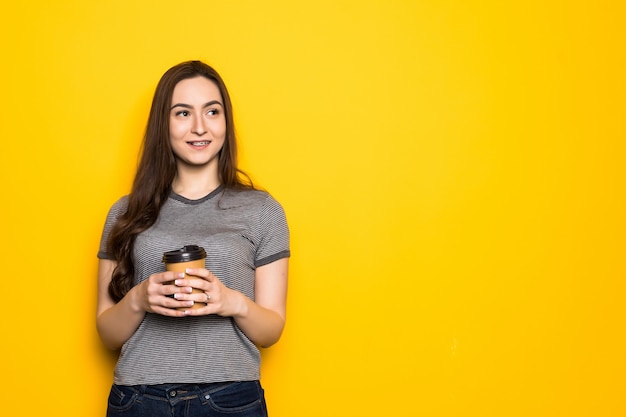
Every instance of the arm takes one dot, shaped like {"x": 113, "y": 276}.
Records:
{"x": 261, "y": 320}
{"x": 116, "y": 322}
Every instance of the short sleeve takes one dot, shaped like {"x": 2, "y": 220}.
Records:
{"x": 274, "y": 234}
{"x": 115, "y": 212}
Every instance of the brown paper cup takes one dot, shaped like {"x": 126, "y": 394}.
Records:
{"x": 190, "y": 256}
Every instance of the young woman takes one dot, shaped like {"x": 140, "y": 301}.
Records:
{"x": 176, "y": 360}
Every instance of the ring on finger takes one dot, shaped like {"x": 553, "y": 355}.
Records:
{"x": 208, "y": 297}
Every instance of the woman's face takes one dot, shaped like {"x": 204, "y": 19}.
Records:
{"x": 197, "y": 122}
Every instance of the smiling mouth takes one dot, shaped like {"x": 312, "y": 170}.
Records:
{"x": 200, "y": 143}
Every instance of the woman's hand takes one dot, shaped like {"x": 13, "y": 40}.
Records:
{"x": 218, "y": 298}
{"x": 262, "y": 320}
{"x": 159, "y": 295}
{"x": 117, "y": 321}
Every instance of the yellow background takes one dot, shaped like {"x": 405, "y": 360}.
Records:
{"x": 453, "y": 175}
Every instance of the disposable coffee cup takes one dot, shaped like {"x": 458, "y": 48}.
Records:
{"x": 189, "y": 256}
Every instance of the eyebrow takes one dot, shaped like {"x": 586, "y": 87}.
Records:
{"x": 188, "y": 106}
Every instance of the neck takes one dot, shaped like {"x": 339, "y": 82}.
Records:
{"x": 195, "y": 182}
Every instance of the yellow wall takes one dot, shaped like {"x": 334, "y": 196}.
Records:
{"x": 453, "y": 174}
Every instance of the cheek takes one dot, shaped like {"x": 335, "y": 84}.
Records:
{"x": 176, "y": 130}
{"x": 219, "y": 130}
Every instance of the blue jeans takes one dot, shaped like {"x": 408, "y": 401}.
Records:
{"x": 232, "y": 399}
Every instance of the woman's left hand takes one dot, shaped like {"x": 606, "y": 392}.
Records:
{"x": 218, "y": 298}
{"x": 262, "y": 320}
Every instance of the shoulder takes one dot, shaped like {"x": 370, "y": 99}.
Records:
{"x": 233, "y": 198}
{"x": 119, "y": 207}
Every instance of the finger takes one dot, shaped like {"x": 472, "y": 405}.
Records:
{"x": 170, "y": 288}
{"x": 176, "y": 311}
{"x": 199, "y": 284}
{"x": 204, "y": 310}
{"x": 200, "y": 272}
{"x": 183, "y": 285}
{"x": 167, "y": 277}
{"x": 179, "y": 300}
{"x": 201, "y": 297}
{"x": 172, "y": 298}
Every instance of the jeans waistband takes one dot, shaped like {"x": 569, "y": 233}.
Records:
{"x": 187, "y": 391}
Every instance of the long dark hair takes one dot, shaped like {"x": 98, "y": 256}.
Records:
{"x": 157, "y": 169}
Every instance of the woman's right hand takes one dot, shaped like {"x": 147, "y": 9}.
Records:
{"x": 117, "y": 321}
{"x": 158, "y": 294}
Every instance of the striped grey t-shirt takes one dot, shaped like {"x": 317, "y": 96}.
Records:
{"x": 240, "y": 231}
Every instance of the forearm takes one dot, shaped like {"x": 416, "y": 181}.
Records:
{"x": 118, "y": 323}
{"x": 261, "y": 325}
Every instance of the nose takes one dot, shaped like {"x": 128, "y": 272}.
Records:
{"x": 199, "y": 127}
